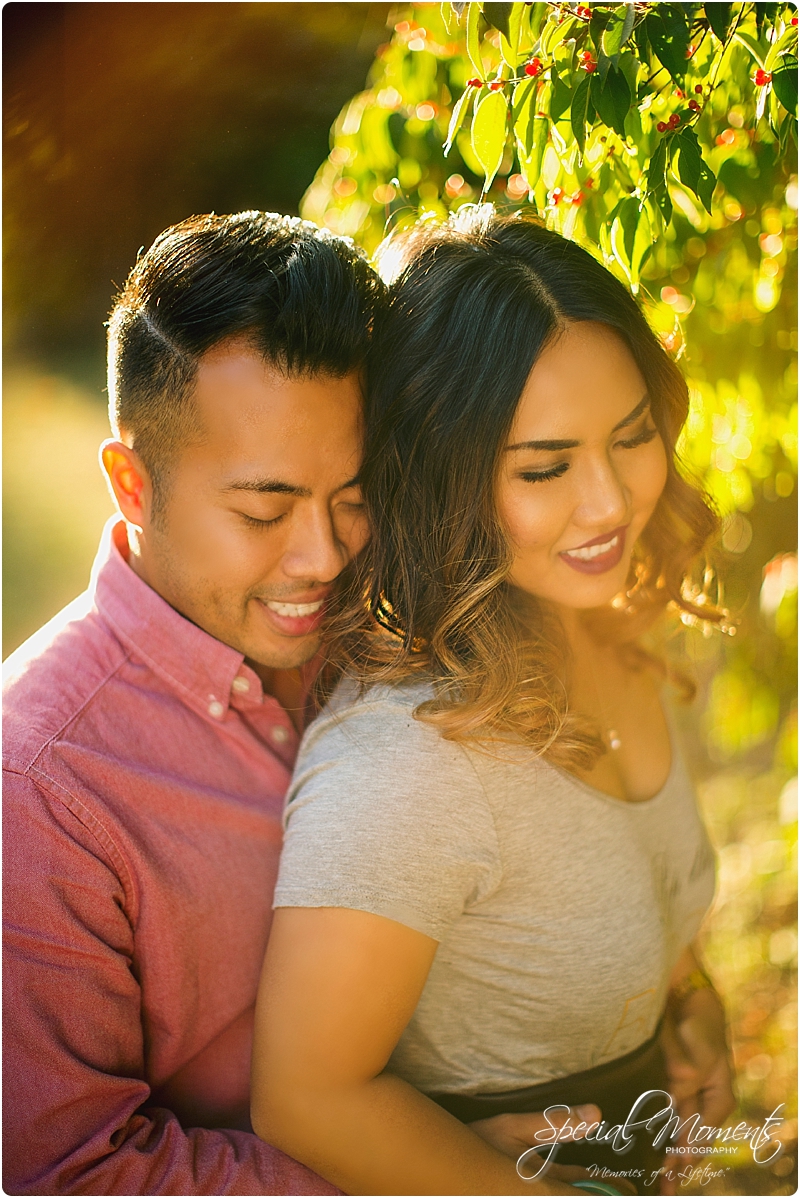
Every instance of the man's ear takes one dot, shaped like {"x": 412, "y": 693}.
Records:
{"x": 128, "y": 481}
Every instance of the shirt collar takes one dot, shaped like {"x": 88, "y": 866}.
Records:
{"x": 199, "y": 666}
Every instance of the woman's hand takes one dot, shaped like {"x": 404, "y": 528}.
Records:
{"x": 698, "y": 1065}
{"x": 515, "y": 1134}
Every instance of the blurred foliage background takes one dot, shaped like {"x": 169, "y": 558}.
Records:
{"x": 123, "y": 118}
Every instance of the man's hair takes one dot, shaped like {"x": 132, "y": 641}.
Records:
{"x": 303, "y": 298}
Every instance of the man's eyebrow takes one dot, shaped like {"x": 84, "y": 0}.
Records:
{"x": 554, "y": 446}
{"x": 273, "y": 486}
{"x": 267, "y": 486}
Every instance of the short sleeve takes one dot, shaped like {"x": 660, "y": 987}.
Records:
{"x": 384, "y": 815}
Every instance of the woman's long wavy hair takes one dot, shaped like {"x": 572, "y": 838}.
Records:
{"x": 473, "y": 303}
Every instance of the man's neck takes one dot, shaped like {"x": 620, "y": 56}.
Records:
{"x": 287, "y": 686}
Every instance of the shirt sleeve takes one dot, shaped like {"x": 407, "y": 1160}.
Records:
{"x": 386, "y": 816}
{"x": 75, "y": 1106}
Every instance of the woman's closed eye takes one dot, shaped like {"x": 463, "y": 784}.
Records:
{"x": 646, "y": 435}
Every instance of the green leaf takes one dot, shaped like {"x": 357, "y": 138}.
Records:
{"x": 631, "y": 238}
{"x": 642, "y": 247}
{"x": 765, "y": 12}
{"x": 489, "y": 133}
{"x": 509, "y": 46}
{"x": 473, "y": 40}
{"x": 579, "y": 111}
{"x": 498, "y": 16}
{"x": 618, "y": 30}
{"x": 522, "y": 114}
{"x": 612, "y": 99}
{"x": 554, "y": 35}
{"x": 719, "y": 18}
{"x": 784, "y": 84}
{"x": 692, "y": 169}
{"x": 630, "y": 66}
{"x": 562, "y": 96}
{"x": 536, "y": 15}
{"x": 757, "y": 49}
{"x": 597, "y": 26}
{"x": 668, "y": 31}
{"x": 623, "y": 231}
{"x": 376, "y": 139}
{"x": 531, "y": 165}
{"x": 457, "y": 118}
{"x": 657, "y": 179}
{"x": 786, "y": 44}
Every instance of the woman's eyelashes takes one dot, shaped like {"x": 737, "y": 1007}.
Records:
{"x": 540, "y": 476}
{"x": 642, "y": 438}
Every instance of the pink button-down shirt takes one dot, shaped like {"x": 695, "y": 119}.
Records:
{"x": 144, "y": 775}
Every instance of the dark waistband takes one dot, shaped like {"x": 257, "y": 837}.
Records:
{"x": 613, "y": 1086}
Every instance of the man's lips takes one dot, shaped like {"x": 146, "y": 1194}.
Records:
{"x": 294, "y": 618}
{"x": 598, "y": 555}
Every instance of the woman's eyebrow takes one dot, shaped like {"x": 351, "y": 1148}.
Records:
{"x": 642, "y": 406}
{"x": 554, "y": 446}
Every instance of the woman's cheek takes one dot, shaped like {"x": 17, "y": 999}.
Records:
{"x": 530, "y": 519}
{"x": 649, "y": 476}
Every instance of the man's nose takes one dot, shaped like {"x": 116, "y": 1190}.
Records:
{"x": 314, "y": 551}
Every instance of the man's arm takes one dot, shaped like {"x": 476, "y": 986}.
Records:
{"x": 75, "y": 1103}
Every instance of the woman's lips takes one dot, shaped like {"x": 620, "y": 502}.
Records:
{"x": 597, "y": 556}
{"x": 295, "y": 619}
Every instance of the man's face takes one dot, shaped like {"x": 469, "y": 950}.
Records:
{"x": 263, "y": 513}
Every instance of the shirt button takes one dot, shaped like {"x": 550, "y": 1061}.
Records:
{"x": 216, "y": 709}
{"x": 241, "y": 685}
{"x": 279, "y": 734}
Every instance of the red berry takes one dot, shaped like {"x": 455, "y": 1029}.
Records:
{"x": 762, "y": 78}
{"x": 474, "y": 83}
{"x": 794, "y": 20}
{"x": 577, "y": 199}
{"x": 695, "y": 107}
{"x": 699, "y": 89}
{"x": 662, "y": 128}
{"x": 586, "y": 56}
{"x": 495, "y": 87}
{"x": 674, "y": 120}
{"x": 679, "y": 94}
{"x": 533, "y": 68}
{"x": 557, "y": 194}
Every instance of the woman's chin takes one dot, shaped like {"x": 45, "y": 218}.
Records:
{"x": 578, "y": 589}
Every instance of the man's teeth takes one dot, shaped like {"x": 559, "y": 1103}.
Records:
{"x": 294, "y": 610}
{"x": 591, "y": 551}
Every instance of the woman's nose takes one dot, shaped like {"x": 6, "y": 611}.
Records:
{"x": 604, "y": 499}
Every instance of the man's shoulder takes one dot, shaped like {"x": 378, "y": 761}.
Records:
{"x": 51, "y": 678}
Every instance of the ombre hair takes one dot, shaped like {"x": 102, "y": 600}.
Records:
{"x": 473, "y": 303}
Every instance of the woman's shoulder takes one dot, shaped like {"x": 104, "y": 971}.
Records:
{"x": 378, "y": 725}
{"x": 353, "y": 706}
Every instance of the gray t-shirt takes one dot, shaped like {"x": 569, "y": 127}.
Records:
{"x": 559, "y": 910}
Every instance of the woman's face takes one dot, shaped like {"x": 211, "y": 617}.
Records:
{"x": 582, "y": 471}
